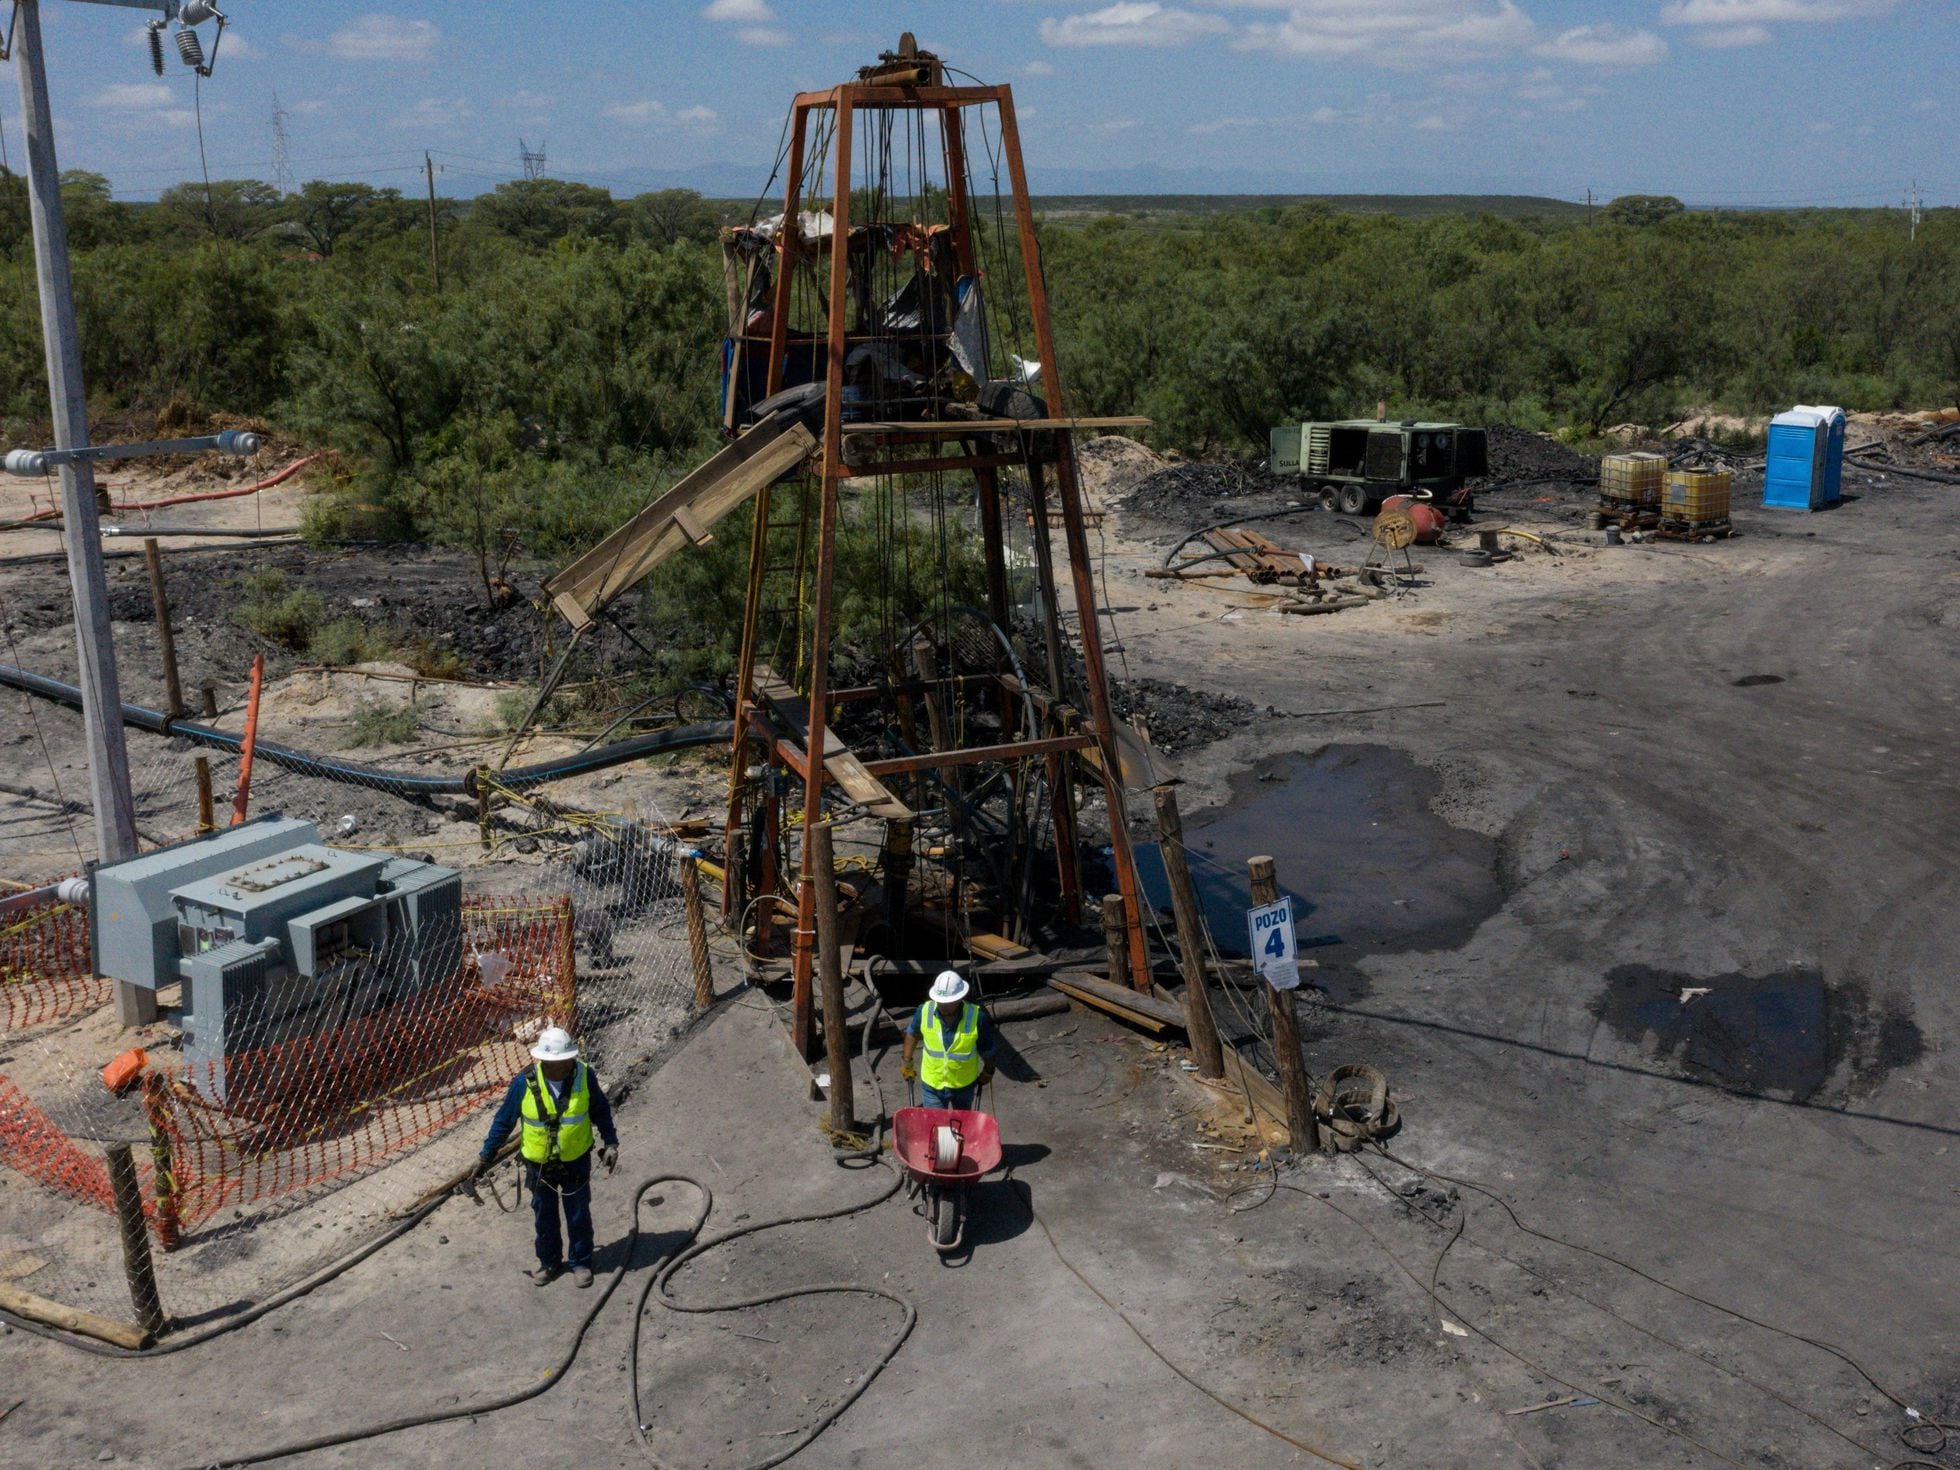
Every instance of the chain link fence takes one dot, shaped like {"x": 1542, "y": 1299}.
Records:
{"x": 266, "y": 1161}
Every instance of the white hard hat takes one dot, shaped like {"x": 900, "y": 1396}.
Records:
{"x": 555, "y": 1044}
{"x": 948, "y": 987}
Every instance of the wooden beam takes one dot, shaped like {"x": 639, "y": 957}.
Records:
{"x": 839, "y": 763}
{"x": 960, "y": 428}
{"x": 932, "y": 760}
{"x": 679, "y": 518}
{"x": 1133, "y": 1007}
{"x": 71, "y": 1319}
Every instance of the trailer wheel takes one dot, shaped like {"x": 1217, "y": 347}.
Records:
{"x": 1329, "y": 498}
{"x": 1354, "y": 499}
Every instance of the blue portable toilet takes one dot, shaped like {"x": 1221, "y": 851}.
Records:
{"x": 1793, "y": 476}
{"x": 1833, "y": 450}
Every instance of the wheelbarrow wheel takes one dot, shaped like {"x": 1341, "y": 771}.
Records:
{"x": 948, "y": 1218}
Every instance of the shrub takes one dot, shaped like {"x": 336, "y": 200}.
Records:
{"x": 376, "y": 723}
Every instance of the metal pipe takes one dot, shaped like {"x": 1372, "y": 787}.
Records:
{"x": 395, "y": 783}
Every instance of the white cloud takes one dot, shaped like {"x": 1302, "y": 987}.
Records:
{"x": 310, "y": 107}
{"x": 1402, "y": 34}
{"x": 133, "y": 96}
{"x": 763, "y": 36}
{"x": 1323, "y": 116}
{"x": 1925, "y": 104}
{"x": 1132, "y": 23}
{"x": 384, "y": 38}
{"x": 443, "y": 114}
{"x": 651, "y": 111}
{"x": 1604, "y": 45}
{"x": 525, "y": 100}
{"x": 237, "y": 48}
{"x": 1727, "y": 38}
{"x": 743, "y": 12}
{"x": 1114, "y": 125}
{"x": 1819, "y": 128}
{"x": 1223, "y": 124}
{"x": 1038, "y": 69}
{"x": 1755, "y": 12}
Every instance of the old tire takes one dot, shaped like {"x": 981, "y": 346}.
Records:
{"x": 1354, "y": 499}
{"x": 946, "y": 1221}
{"x": 1329, "y": 498}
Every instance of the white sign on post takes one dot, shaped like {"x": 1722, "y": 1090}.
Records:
{"x": 1274, "y": 953}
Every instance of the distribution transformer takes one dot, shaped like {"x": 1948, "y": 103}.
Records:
{"x": 274, "y": 937}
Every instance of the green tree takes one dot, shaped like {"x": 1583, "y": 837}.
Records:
{"x": 668, "y": 215}
{"x": 229, "y": 209}
{"x": 326, "y": 213}
{"x": 538, "y": 211}
{"x": 1641, "y": 210}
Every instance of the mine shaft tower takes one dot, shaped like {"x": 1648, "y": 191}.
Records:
{"x": 890, "y": 337}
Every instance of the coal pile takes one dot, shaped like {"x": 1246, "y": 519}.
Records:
{"x": 1177, "y": 718}
{"x": 1520, "y": 457}
{"x": 1193, "y": 493}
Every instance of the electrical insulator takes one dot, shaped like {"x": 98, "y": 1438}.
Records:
{"x": 190, "y": 48}
{"x": 155, "y": 29}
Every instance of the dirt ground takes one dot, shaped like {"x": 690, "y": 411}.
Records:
{"x": 1680, "y": 999}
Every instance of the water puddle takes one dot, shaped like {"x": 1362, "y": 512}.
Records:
{"x": 1371, "y": 868}
{"x": 1787, "y": 1034}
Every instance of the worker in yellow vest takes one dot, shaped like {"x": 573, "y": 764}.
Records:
{"x": 559, "y": 1104}
{"x": 959, "y": 1043}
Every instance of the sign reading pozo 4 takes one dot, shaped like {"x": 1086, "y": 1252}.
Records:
{"x": 1274, "y": 952}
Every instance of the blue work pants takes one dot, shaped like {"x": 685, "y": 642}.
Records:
{"x": 567, "y": 1186}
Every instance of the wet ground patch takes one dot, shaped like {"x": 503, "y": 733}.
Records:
{"x": 1789, "y": 1034}
{"x": 1371, "y": 867}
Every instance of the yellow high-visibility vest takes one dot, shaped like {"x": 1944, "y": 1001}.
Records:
{"x": 950, "y": 1066}
{"x": 551, "y": 1132}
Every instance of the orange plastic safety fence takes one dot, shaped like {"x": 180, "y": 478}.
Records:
{"x": 283, "y": 1119}
{"x": 45, "y": 973}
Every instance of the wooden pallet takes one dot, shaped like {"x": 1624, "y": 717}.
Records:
{"x": 1693, "y": 530}
{"x": 1090, "y": 518}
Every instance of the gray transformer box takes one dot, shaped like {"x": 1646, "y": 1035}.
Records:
{"x": 275, "y": 938}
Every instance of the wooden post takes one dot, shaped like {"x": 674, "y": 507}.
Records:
{"x": 207, "y": 819}
{"x": 435, "y": 259}
{"x": 163, "y": 1160}
{"x": 135, "y": 1240}
{"x": 830, "y": 980}
{"x": 697, "y": 931}
{"x": 1286, "y": 1030}
{"x": 173, "y": 692}
{"x": 241, "y": 802}
{"x": 1116, "y": 936}
{"x": 210, "y": 695}
{"x": 1199, "y": 1023}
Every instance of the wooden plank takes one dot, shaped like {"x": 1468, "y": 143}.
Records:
{"x": 1141, "y": 1002}
{"x": 703, "y": 497}
{"x": 840, "y": 764}
{"x": 1075, "y": 991}
{"x": 1268, "y": 1102}
{"x": 954, "y": 428}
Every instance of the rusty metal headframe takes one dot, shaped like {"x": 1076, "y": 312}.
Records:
{"x": 793, "y": 729}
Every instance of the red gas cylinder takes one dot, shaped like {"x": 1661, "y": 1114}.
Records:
{"x": 1429, "y": 520}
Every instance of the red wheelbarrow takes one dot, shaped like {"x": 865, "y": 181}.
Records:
{"x": 942, "y": 1151}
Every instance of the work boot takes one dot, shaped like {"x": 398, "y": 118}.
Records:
{"x": 545, "y": 1275}
{"x": 581, "y": 1275}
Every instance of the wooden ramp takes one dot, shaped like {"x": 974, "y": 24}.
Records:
{"x": 681, "y": 517}
{"x": 792, "y": 711}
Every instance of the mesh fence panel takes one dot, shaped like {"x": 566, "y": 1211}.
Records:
{"x": 260, "y": 1164}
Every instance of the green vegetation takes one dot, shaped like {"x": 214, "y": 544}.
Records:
{"x": 277, "y": 612}
{"x": 568, "y": 369}
{"x": 376, "y": 723}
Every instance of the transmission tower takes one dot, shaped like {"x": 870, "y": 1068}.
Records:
{"x": 282, "y": 164}
{"x": 1914, "y": 234}
{"x": 532, "y": 159}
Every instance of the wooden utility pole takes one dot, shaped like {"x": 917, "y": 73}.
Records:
{"x": 1199, "y": 1024}
{"x": 1286, "y": 1030}
{"x": 173, "y": 691}
{"x": 241, "y": 802}
{"x": 1116, "y": 941}
{"x": 435, "y": 260}
{"x": 137, "y": 1265}
{"x": 830, "y": 980}
{"x": 115, "y": 809}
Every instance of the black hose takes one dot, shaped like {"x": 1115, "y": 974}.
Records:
{"x": 1875, "y": 467}
{"x": 232, "y": 1324}
{"x": 395, "y": 783}
{"x": 502, "y": 1401}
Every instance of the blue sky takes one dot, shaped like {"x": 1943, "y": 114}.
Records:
{"x": 1734, "y": 101}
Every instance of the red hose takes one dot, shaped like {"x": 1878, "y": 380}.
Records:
{"x": 266, "y": 484}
